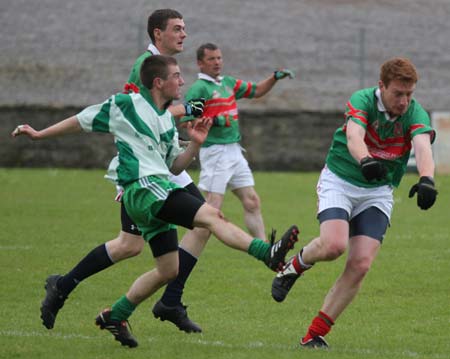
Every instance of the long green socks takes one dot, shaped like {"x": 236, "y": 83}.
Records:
{"x": 122, "y": 309}
{"x": 259, "y": 249}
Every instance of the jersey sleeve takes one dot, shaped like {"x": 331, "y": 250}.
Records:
{"x": 357, "y": 109}
{"x": 96, "y": 118}
{"x": 243, "y": 89}
{"x": 421, "y": 123}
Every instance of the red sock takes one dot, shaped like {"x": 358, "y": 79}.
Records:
{"x": 320, "y": 325}
{"x": 297, "y": 263}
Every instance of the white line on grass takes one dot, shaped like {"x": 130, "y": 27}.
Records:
{"x": 15, "y": 248}
{"x": 218, "y": 343}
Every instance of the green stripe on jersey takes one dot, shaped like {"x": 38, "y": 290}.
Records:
{"x": 128, "y": 168}
{"x": 101, "y": 120}
{"x": 126, "y": 106}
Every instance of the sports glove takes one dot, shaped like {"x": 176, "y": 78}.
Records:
{"x": 195, "y": 107}
{"x": 281, "y": 74}
{"x": 372, "y": 169}
{"x": 426, "y": 193}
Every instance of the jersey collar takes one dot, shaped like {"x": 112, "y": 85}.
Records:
{"x": 153, "y": 49}
{"x": 217, "y": 81}
{"x": 381, "y": 106}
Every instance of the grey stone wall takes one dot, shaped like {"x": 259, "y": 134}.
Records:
{"x": 78, "y": 52}
{"x": 59, "y": 56}
{"x": 293, "y": 141}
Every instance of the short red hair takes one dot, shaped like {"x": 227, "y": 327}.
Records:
{"x": 398, "y": 68}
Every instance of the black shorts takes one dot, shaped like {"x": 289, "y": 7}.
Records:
{"x": 128, "y": 226}
{"x": 371, "y": 222}
{"x": 180, "y": 208}
{"x": 164, "y": 243}
{"x": 193, "y": 189}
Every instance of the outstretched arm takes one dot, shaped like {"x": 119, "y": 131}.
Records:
{"x": 264, "y": 86}
{"x": 67, "y": 126}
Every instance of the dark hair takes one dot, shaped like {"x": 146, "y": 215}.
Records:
{"x": 159, "y": 19}
{"x": 398, "y": 68}
{"x": 202, "y": 48}
{"x": 155, "y": 66}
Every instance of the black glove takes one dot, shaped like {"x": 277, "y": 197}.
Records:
{"x": 195, "y": 107}
{"x": 373, "y": 169}
{"x": 426, "y": 193}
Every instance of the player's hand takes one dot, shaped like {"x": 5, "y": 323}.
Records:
{"x": 195, "y": 107}
{"x": 373, "y": 169}
{"x": 198, "y": 130}
{"x": 25, "y": 130}
{"x": 426, "y": 193}
{"x": 282, "y": 73}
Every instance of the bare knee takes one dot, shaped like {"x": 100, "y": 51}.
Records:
{"x": 332, "y": 249}
{"x": 131, "y": 245}
{"x": 359, "y": 267}
{"x": 251, "y": 203}
{"x": 207, "y": 216}
{"x": 168, "y": 275}
{"x": 167, "y": 269}
{"x": 126, "y": 245}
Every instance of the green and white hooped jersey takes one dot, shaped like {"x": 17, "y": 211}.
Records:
{"x": 387, "y": 139}
{"x": 146, "y": 138}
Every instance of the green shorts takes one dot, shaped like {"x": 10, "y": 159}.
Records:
{"x": 143, "y": 200}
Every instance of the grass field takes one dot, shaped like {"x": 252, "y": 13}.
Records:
{"x": 51, "y": 218}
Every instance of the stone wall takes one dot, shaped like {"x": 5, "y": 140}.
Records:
{"x": 59, "y": 56}
{"x": 288, "y": 141}
{"x": 78, "y": 52}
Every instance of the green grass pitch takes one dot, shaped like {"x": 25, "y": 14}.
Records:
{"x": 50, "y": 218}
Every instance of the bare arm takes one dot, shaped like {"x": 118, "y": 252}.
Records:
{"x": 355, "y": 141}
{"x": 264, "y": 86}
{"x": 424, "y": 156}
{"x": 177, "y": 111}
{"x": 67, "y": 126}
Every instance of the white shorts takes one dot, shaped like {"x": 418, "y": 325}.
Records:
{"x": 183, "y": 179}
{"x": 222, "y": 167}
{"x": 334, "y": 192}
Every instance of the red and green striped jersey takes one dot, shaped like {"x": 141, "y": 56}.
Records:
{"x": 221, "y": 103}
{"x": 388, "y": 140}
